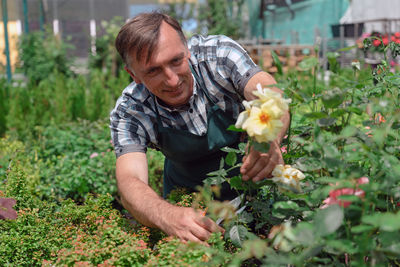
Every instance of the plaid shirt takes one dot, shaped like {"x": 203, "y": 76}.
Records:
{"x": 225, "y": 68}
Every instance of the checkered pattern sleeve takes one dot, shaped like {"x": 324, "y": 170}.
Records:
{"x": 130, "y": 123}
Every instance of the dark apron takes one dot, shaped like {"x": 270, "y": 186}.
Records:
{"x": 190, "y": 157}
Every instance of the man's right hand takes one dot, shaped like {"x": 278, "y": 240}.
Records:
{"x": 188, "y": 224}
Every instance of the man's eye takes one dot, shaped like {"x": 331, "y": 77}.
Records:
{"x": 177, "y": 61}
{"x": 151, "y": 72}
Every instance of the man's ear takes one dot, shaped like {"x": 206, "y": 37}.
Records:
{"x": 136, "y": 79}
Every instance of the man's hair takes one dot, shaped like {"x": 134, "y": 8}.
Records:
{"x": 140, "y": 35}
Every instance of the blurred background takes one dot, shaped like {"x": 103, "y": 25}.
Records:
{"x": 287, "y": 26}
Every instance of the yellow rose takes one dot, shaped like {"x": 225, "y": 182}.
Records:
{"x": 265, "y": 94}
{"x": 262, "y": 117}
{"x": 263, "y": 124}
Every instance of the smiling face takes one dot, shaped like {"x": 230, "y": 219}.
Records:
{"x": 167, "y": 74}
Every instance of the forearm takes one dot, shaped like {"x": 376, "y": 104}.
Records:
{"x": 142, "y": 202}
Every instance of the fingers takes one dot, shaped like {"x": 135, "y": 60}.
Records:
{"x": 257, "y": 166}
{"x": 190, "y": 225}
{"x": 209, "y": 224}
{"x": 193, "y": 238}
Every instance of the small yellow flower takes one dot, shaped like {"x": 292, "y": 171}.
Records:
{"x": 262, "y": 117}
{"x": 288, "y": 176}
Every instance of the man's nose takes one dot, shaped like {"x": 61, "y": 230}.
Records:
{"x": 171, "y": 78}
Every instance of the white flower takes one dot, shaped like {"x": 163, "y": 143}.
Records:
{"x": 288, "y": 176}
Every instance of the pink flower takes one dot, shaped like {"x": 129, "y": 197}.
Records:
{"x": 362, "y": 180}
{"x": 284, "y": 149}
{"x": 365, "y": 35}
{"x": 95, "y": 154}
{"x": 334, "y": 194}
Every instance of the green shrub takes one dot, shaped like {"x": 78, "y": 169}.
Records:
{"x": 75, "y": 159}
{"x": 41, "y": 54}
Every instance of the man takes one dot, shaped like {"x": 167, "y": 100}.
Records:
{"x": 181, "y": 102}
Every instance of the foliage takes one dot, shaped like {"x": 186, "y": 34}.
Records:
{"x": 75, "y": 159}
{"x": 219, "y": 17}
{"x": 42, "y": 53}
{"x": 182, "y": 11}
{"x": 340, "y": 131}
{"x": 106, "y": 57}
{"x": 47, "y": 234}
{"x": 59, "y": 99}
{"x": 155, "y": 166}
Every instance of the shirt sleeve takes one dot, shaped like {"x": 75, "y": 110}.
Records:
{"x": 234, "y": 64}
{"x": 128, "y": 133}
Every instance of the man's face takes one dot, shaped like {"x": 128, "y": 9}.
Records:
{"x": 167, "y": 74}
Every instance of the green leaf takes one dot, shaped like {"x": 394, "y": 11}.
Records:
{"x": 236, "y": 182}
{"x": 245, "y": 217}
{"x": 308, "y": 164}
{"x": 333, "y": 63}
{"x": 277, "y": 62}
{"x": 231, "y": 158}
{"x": 355, "y": 110}
{"x": 230, "y": 149}
{"x": 345, "y": 49}
{"x": 342, "y": 245}
{"x": 215, "y": 180}
{"x": 351, "y": 198}
{"x": 315, "y": 115}
{"x": 242, "y": 147}
{"x": 325, "y": 122}
{"x": 304, "y": 233}
{"x": 308, "y": 63}
{"x": 349, "y": 131}
{"x": 389, "y": 222}
{"x": 261, "y": 147}
{"x": 328, "y": 220}
{"x": 286, "y": 205}
{"x": 233, "y": 128}
{"x": 332, "y": 98}
{"x": 338, "y": 112}
{"x": 358, "y": 229}
{"x": 238, "y": 234}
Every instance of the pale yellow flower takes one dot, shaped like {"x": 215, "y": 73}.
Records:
{"x": 288, "y": 176}
{"x": 265, "y": 94}
{"x": 262, "y": 123}
{"x": 243, "y": 115}
{"x": 262, "y": 116}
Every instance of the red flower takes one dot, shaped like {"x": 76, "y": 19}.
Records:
{"x": 397, "y": 34}
{"x": 385, "y": 40}
{"x": 376, "y": 43}
{"x": 334, "y": 194}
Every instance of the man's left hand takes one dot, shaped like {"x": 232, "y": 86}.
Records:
{"x": 257, "y": 166}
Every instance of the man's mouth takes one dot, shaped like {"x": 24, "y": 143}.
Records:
{"x": 175, "y": 90}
